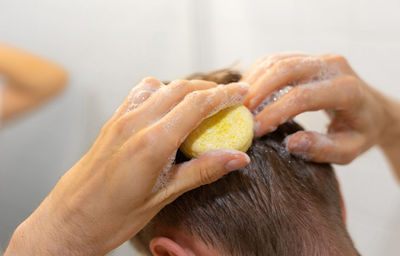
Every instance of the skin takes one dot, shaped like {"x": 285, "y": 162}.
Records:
{"x": 29, "y": 81}
{"x": 360, "y": 116}
{"x": 178, "y": 242}
{"x": 109, "y": 196}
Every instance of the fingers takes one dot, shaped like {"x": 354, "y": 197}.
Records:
{"x": 339, "y": 148}
{"x": 340, "y": 93}
{"x": 286, "y": 71}
{"x": 139, "y": 94}
{"x": 263, "y": 64}
{"x": 206, "y": 169}
{"x": 187, "y": 115}
{"x": 163, "y": 101}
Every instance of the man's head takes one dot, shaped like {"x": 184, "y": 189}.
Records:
{"x": 277, "y": 205}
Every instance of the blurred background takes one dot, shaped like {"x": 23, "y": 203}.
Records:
{"x": 108, "y": 46}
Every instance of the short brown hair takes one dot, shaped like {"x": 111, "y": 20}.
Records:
{"x": 277, "y": 205}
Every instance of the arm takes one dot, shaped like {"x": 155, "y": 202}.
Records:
{"x": 129, "y": 174}
{"x": 30, "y": 80}
{"x": 390, "y": 143}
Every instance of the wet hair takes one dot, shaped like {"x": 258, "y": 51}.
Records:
{"x": 277, "y": 205}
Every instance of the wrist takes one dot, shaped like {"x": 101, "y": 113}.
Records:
{"x": 27, "y": 240}
{"x": 44, "y": 234}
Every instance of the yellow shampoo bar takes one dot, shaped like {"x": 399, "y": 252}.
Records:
{"x": 230, "y": 128}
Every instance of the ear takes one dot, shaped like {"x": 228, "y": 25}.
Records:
{"x": 163, "y": 246}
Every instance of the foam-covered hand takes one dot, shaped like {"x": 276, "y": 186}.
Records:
{"x": 128, "y": 175}
{"x": 285, "y": 85}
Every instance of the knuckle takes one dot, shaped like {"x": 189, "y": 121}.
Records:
{"x": 179, "y": 83}
{"x": 346, "y": 155}
{"x": 204, "y": 84}
{"x": 149, "y": 79}
{"x": 281, "y": 63}
{"x": 182, "y": 86}
{"x": 196, "y": 97}
{"x": 206, "y": 176}
{"x": 106, "y": 127}
{"x": 147, "y": 83}
{"x": 143, "y": 148}
{"x": 301, "y": 96}
{"x": 277, "y": 57}
{"x": 206, "y": 101}
{"x": 338, "y": 59}
{"x": 353, "y": 88}
{"x": 120, "y": 125}
{"x": 284, "y": 65}
{"x": 147, "y": 138}
{"x": 351, "y": 82}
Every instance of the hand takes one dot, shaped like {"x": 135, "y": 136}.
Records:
{"x": 29, "y": 81}
{"x": 128, "y": 175}
{"x": 357, "y": 112}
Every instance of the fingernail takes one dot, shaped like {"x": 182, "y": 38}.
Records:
{"x": 286, "y": 141}
{"x": 299, "y": 144}
{"x": 297, "y": 148}
{"x": 237, "y": 163}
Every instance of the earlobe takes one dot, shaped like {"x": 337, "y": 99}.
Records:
{"x": 163, "y": 246}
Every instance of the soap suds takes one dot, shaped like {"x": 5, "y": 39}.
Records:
{"x": 273, "y": 97}
{"x": 165, "y": 174}
{"x": 137, "y": 99}
{"x": 229, "y": 101}
{"x": 303, "y": 144}
{"x": 142, "y": 92}
{"x": 324, "y": 74}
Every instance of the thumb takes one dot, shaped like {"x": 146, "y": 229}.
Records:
{"x": 339, "y": 148}
{"x": 206, "y": 169}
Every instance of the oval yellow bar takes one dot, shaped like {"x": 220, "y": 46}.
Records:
{"x": 230, "y": 128}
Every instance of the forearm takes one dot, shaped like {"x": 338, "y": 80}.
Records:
{"x": 390, "y": 143}
{"x": 23, "y": 243}
{"x": 41, "y": 235}
{"x": 30, "y": 240}
{"x": 30, "y": 72}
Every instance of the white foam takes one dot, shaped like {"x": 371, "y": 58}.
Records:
{"x": 273, "y": 97}
{"x": 323, "y": 76}
{"x": 325, "y": 72}
{"x": 304, "y": 143}
{"x": 141, "y": 93}
{"x": 137, "y": 99}
{"x": 222, "y": 152}
{"x": 233, "y": 100}
{"x": 165, "y": 174}
{"x": 172, "y": 124}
